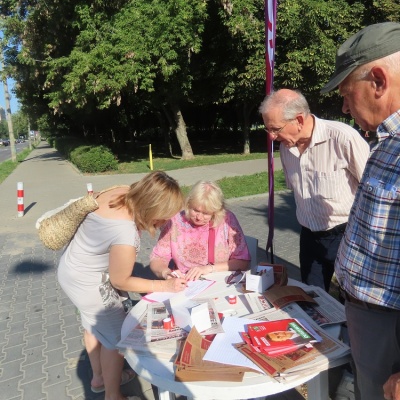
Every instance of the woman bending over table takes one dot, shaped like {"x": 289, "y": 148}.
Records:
{"x": 205, "y": 237}
{"x": 108, "y": 241}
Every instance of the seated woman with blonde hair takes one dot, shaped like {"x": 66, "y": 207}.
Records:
{"x": 203, "y": 238}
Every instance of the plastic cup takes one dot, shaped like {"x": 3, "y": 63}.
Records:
{"x": 167, "y": 323}
{"x": 232, "y": 299}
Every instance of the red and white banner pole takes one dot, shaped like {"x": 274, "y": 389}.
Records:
{"x": 89, "y": 188}
{"x": 20, "y": 199}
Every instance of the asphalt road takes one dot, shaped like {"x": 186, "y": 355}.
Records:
{"x": 5, "y": 151}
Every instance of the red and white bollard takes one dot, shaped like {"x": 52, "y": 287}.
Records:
{"x": 20, "y": 199}
{"x": 89, "y": 188}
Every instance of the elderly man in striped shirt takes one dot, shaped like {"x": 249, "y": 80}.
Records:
{"x": 323, "y": 162}
{"x": 368, "y": 263}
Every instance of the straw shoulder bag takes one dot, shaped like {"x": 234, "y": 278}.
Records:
{"x": 57, "y": 227}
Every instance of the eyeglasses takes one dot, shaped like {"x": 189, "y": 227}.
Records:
{"x": 275, "y": 131}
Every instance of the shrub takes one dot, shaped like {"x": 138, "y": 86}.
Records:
{"x": 66, "y": 144}
{"x": 93, "y": 159}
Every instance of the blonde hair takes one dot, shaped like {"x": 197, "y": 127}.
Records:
{"x": 157, "y": 196}
{"x": 209, "y": 196}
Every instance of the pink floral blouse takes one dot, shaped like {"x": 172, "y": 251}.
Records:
{"x": 187, "y": 245}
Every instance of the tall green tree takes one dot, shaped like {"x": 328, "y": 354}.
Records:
{"x": 144, "y": 47}
{"x": 381, "y": 11}
{"x": 244, "y": 81}
{"x": 308, "y": 35}
{"x": 20, "y": 123}
{"x": 109, "y": 71}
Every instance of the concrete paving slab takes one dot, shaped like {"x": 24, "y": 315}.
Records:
{"x": 41, "y": 350}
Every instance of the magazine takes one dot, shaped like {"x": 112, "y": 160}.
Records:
{"x": 156, "y": 313}
{"x": 148, "y": 335}
{"x": 273, "y": 352}
{"x": 294, "y": 363}
{"x": 281, "y": 296}
{"x": 325, "y": 311}
{"x": 257, "y": 302}
{"x": 281, "y": 336}
{"x": 135, "y": 340}
{"x": 274, "y": 366}
{"x": 191, "y": 366}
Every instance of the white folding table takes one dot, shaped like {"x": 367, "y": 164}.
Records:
{"x": 160, "y": 372}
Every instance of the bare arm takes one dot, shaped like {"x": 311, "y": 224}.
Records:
{"x": 159, "y": 267}
{"x": 122, "y": 260}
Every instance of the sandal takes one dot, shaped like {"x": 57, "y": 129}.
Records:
{"x": 127, "y": 376}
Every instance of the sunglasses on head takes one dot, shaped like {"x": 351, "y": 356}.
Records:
{"x": 235, "y": 277}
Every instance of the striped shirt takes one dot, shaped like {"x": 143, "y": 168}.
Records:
{"x": 324, "y": 179}
{"x": 368, "y": 262}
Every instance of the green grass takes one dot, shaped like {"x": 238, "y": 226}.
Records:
{"x": 169, "y": 164}
{"x": 6, "y": 167}
{"x": 232, "y": 187}
{"x": 248, "y": 185}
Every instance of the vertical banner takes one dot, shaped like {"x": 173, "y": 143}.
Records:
{"x": 270, "y": 34}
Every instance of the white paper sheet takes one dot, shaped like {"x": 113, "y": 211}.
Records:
{"x": 222, "y": 350}
{"x": 193, "y": 289}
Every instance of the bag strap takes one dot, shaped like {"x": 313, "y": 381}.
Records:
{"x": 211, "y": 245}
{"x": 97, "y": 194}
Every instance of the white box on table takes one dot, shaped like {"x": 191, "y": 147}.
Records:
{"x": 188, "y": 313}
{"x": 262, "y": 280}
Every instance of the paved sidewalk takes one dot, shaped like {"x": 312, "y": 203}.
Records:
{"x": 41, "y": 350}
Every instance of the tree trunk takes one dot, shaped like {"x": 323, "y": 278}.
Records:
{"x": 181, "y": 133}
{"x": 165, "y": 131}
{"x": 29, "y": 135}
{"x": 246, "y": 128}
{"x": 8, "y": 112}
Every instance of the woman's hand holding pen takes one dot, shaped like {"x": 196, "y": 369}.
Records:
{"x": 175, "y": 284}
{"x": 174, "y": 281}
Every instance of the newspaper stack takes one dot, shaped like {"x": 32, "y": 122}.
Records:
{"x": 315, "y": 302}
{"x": 191, "y": 367}
{"x": 150, "y": 337}
{"x": 285, "y": 366}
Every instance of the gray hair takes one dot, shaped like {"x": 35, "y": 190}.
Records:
{"x": 291, "y": 106}
{"x": 392, "y": 62}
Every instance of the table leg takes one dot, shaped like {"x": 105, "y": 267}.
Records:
{"x": 318, "y": 387}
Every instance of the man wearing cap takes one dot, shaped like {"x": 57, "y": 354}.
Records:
{"x": 323, "y": 162}
{"x": 367, "y": 267}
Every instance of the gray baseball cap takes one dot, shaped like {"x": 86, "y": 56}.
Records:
{"x": 371, "y": 43}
